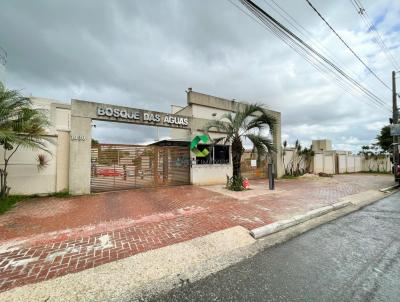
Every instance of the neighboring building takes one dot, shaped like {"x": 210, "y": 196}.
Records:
{"x": 321, "y": 145}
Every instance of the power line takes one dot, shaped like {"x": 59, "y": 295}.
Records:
{"x": 323, "y": 69}
{"x": 304, "y": 47}
{"x": 307, "y": 34}
{"x": 327, "y": 73}
{"x": 307, "y": 52}
{"x": 348, "y": 47}
{"x": 371, "y": 26}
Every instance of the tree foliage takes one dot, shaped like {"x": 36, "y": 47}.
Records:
{"x": 384, "y": 139}
{"x": 247, "y": 123}
{"x": 300, "y": 162}
{"x": 95, "y": 143}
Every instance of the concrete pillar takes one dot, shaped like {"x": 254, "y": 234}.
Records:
{"x": 62, "y": 175}
{"x": 80, "y": 154}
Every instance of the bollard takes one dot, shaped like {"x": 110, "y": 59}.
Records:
{"x": 271, "y": 176}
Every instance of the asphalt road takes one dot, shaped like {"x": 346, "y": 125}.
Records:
{"x": 354, "y": 258}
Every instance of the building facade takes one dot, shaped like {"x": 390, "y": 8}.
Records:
{"x": 75, "y": 165}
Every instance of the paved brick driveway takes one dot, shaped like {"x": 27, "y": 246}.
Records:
{"x": 49, "y": 237}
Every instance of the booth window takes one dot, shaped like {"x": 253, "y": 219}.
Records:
{"x": 217, "y": 155}
{"x": 221, "y": 154}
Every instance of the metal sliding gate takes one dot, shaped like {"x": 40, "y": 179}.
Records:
{"x": 119, "y": 167}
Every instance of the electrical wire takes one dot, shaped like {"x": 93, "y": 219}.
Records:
{"x": 323, "y": 69}
{"x": 371, "y": 27}
{"x": 308, "y": 35}
{"x": 348, "y": 47}
{"x": 308, "y": 53}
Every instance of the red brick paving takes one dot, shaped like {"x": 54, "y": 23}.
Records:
{"x": 49, "y": 237}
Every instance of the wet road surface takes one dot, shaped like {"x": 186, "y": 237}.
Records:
{"x": 353, "y": 258}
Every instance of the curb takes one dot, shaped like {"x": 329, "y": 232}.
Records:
{"x": 284, "y": 224}
{"x": 349, "y": 201}
{"x": 397, "y": 186}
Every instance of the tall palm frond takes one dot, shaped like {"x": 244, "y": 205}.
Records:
{"x": 262, "y": 144}
{"x": 20, "y": 126}
{"x": 243, "y": 124}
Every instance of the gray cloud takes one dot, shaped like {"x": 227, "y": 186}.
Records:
{"x": 146, "y": 53}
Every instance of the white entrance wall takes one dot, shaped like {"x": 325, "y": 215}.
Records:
{"x": 210, "y": 174}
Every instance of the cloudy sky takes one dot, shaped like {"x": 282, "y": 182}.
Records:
{"x": 146, "y": 53}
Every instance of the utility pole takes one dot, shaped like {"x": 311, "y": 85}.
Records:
{"x": 396, "y": 154}
{"x": 395, "y": 109}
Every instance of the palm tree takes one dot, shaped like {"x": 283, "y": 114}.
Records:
{"x": 21, "y": 126}
{"x": 307, "y": 155}
{"x": 246, "y": 123}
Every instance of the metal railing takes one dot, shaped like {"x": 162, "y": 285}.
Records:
{"x": 121, "y": 167}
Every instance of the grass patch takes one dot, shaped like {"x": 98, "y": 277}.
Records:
{"x": 289, "y": 177}
{"x": 61, "y": 194}
{"x": 375, "y": 172}
{"x": 8, "y": 202}
{"x": 367, "y": 172}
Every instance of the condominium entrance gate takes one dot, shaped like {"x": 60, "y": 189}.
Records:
{"x": 119, "y": 167}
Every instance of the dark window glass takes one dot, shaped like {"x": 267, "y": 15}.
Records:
{"x": 221, "y": 154}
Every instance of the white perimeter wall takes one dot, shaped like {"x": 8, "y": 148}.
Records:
{"x": 338, "y": 162}
{"x": 210, "y": 174}
{"x": 25, "y": 178}
{"x": 343, "y": 162}
{"x": 324, "y": 163}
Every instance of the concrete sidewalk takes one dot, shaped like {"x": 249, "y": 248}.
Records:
{"x": 45, "y": 238}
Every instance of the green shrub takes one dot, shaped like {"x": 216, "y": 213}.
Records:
{"x": 234, "y": 183}
{"x": 60, "y": 194}
{"x": 289, "y": 177}
{"x": 7, "y": 202}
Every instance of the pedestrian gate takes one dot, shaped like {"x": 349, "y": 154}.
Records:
{"x": 119, "y": 167}
{"x": 252, "y": 168}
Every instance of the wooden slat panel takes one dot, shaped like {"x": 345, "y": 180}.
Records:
{"x": 260, "y": 171}
{"x": 118, "y": 167}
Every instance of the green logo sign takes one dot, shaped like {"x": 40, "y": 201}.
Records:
{"x": 193, "y": 145}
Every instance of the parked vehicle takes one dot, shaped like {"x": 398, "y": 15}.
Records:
{"x": 109, "y": 172}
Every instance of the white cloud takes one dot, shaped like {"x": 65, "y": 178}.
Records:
{"x": 375, "y": 126}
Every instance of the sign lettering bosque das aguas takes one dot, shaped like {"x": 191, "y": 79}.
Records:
{"x": 151, "y": 117}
